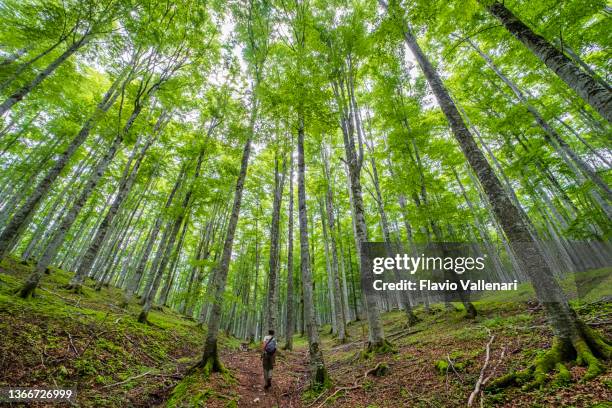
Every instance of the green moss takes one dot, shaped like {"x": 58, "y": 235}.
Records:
{"x": 586, "y": 357}
{"x": 563, "y": 376}
{"x": 368, "y": 385}
{"x": 441, "y": 366}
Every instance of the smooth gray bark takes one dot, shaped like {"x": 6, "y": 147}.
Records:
{"x": 318, "y": 372}
{"x": 551, "y": 135}
{"x": 290, "y": 314}
{"x": 340, "y": 306}
{"x": 22, "y": 216}
{"x": 125, "y": 185}
{"x": 25, "y": 90}
{"x": 279, "y": 182}
{"x": 219, "y": 275}
{"x": 584, "y": 84}
{"x": 58, "y": 239}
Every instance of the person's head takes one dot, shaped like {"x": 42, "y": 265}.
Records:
{"x": 271, "y": 332}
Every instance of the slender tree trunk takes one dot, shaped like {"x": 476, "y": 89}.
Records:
{"x": 25, "y": 90}
{"x": 585, "y": 85}
{"x": 339, "y": 306}
{"x": 165, "y": 293}
{"x": 551, "y": 135}
{"x": 58, "y": 239}
{"x": 210, "y": 359}
{"x": 333, "y": 295}
{"x": 279, "y": 182}
{"x": 164, "y": 252}
{"x": 318, "y": 372}
{"x": 290, "y": 317}
{"x": 134, "y": 282}
{"x": 354, "y": 163}
{"x": 124, "y": 188}
{"x": 404, "y": 296}
{"x": 22, "y": 216}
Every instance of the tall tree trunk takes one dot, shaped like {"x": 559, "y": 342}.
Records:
{"x": 210, "y": 359}
{"x": 339, "y": 307}
{"x": 333, "y": 295}
{"x": 572, "y": 336}
{"x": 25, "y": 90}
{"x": 279, "y": 182}
{"x": 404, "y": 296}
{"x": 125, "y": 185}
{"x": 354, "y": 163}
{"x": 551, "y": 135}
{"x": 58, "y": 239}
{"x": 134, "y": 281}
{"x": 318, "y": 372}
{"x": 165, "y": 293}
{"x": 22, "y": 216}
{"x": 164, "y": 252}
{"x": 290, "y": 316}
{"x": 585, "y": 85}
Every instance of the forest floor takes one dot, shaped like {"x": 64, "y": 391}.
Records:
{"x": 60, "y": 339}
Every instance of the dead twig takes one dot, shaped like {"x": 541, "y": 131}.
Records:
{"x": 128, "y": 380}
{"x": 72, "y": 344}
{"x": 501, "y": 357}
{"x": 481, "y": 378}
{"x": 452, "y": 365}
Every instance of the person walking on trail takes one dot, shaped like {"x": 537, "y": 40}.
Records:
{"x": 268, "y": 359}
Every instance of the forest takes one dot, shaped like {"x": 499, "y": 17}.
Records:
{"x": 180, "y": 178}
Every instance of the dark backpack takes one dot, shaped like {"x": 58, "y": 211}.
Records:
{"x": 270, "y": 347}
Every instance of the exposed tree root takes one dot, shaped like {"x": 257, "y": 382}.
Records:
{"x": 207, "y": 366}
{"x": 586, "y": 350}
{"x": 384, "y": 347}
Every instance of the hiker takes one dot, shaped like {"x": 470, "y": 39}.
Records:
{"x": 267, "y": 356}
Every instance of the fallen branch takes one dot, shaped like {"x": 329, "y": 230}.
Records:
{"x": 501, "y": 357}
{"x": 481, "y": 378}
{"x": 128, "y": 380}
{"x": 408, "y": 331}
{"x": 69, "y": 301}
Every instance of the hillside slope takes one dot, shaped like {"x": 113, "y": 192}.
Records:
{"x": 62, "y": 339}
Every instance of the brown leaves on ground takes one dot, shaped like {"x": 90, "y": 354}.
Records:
{"x": 289, "y": 378}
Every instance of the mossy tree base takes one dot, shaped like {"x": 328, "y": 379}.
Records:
{"x": 28, "y": 290}
{"x": 143, "y": 317}
{"x": 209, "y": 363}
{"x": 412, "y": 319}
{"x": 383, "y": 347}
{"x": 74, "y": 288}
{"x": 320, "y": 377}
{"x": 470, "y": 311}
{"x": 585, "y": 350}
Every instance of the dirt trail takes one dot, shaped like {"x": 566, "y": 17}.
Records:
{"x": 288, "y": 380}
